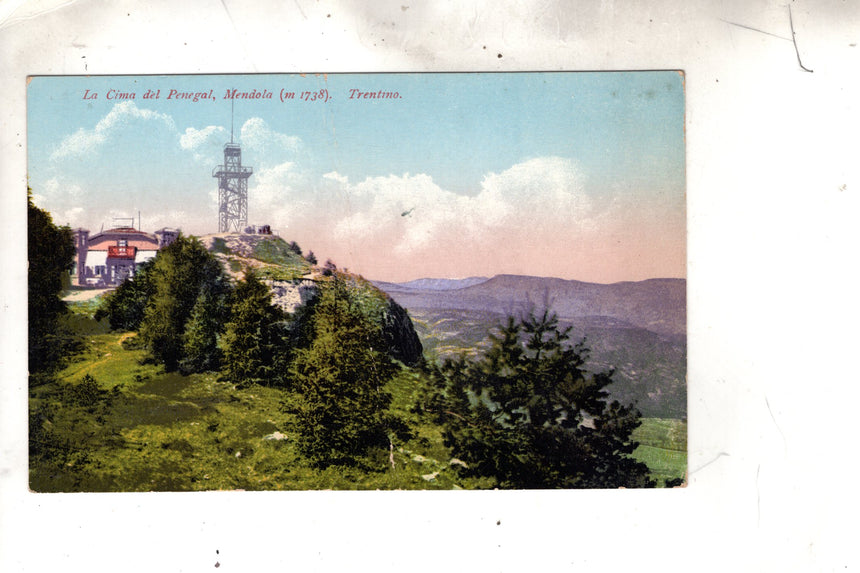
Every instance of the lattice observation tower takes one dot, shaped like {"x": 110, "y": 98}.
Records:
{"x": 232, "y": 190}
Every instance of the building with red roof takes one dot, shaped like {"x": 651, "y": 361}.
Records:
{"x": 109, "y": 257}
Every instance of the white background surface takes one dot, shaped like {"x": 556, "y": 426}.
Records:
{"x": 773, "y": 252}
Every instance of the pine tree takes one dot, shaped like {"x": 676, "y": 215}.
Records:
{"x": 178, "y": 274}
{"x": 254, "y": 342}
{"x": 125, "y": 307}
{"x": 342, "y": 405}
{"x": 295, "y": 248}
{"x": 529, "y": 413}
{"x": 200, "y": 346}
{"x": 50, "y": 255}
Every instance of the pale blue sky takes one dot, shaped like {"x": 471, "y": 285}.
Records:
{"x": 572, "y": 163}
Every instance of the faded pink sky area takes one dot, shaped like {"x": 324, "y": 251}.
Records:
{"x": 546, "y": 237}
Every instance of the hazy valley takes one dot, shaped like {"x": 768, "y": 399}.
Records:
{"x": 638, "y": 328}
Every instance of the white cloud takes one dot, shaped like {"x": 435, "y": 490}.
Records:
{"x": 112, "y": 166}
{"x": 86, "y": 141}
{"x": 62, "y": 199}
{"x": 335, "y": 176}
{"x": 203, "y": 143}
{"x": 135, "y": 160}
{"x": 276, "y": 174}
{"x": 73, "y": 217}
{"x": 79, "y": 143}
{"x": 54, "y": 188}
{"x": 410, "y": 213}
{"x": 258, "y": 137}
{"x": 382, "y": 224}
{"x": 193, "y": 138}
{"x": 545, "y": 187}
{"x": 524, "y": 219}
{"x": 280, "y": 196}
{"x": 379, "y": 225}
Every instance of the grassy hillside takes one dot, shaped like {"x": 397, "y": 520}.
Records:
{"x": 156, "y": 431}
{"x": 269, "y": 256}
{"x": 114, "y": 421}
{"x": 449, "y": 333}
{"x": 663, "y": 447}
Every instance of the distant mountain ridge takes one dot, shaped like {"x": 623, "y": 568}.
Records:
{"x": 658, "y": 305}
{"x": 439, "y": 284}
{"x": 636, "y": 328}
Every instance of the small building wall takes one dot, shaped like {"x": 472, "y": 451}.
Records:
{"x": 110, "y": 257}
{"x": 166, "y": 236}
{"x": 81, "y": 247}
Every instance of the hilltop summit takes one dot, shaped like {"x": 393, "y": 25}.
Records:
{"x": 294, "y": 283}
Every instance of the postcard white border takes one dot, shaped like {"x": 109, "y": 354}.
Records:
{"x": 772, "y": 189}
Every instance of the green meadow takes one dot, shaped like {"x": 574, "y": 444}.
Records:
{"x": 662, "y": 447}
{"x": 113, "y": 422}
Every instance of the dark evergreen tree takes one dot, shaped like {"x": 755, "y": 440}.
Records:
{"x": 529, "y": 414}
{"x": 311, "y": 258}
{"x": 179, "y": 273}
{"x": 207, "y": 320}
{"x": 294, "y": 247}
{"x": 50, "y": 255}
{"x": 342, "y": 407}
{"x": 329, "y": 268}
{"x": 125, "y": 307}
{"x": 255, "y": 338}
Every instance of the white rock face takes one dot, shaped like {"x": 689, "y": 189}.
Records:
{"x": 288, "y": 294}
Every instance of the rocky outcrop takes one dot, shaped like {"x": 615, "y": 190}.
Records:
{"x": 288, "y": 295}
{"x": 267, "y": 256}
{"x": 400, "y": 336}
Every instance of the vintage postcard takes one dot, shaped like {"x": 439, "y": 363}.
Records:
{"x": 357, "y": 281}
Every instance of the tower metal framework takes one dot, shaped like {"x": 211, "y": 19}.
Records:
{"x": 232, "y": 190}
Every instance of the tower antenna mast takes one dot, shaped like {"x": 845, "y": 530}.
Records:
{"x": 232, "y": 186}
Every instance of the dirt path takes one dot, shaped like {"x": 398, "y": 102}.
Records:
{"x": 89, "y": 366}
{"x": 124, "y": 337}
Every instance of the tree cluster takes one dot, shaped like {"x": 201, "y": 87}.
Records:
{"x": 179, "y": 302}
{"x": 333, "y": 353}
{"x": 529, "y": 414}
{"x": 50, "y": 255}
{"x": 255, "y": 343}
{"x": 124, "y": 307}
{"x": 340, "y": 379}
